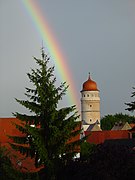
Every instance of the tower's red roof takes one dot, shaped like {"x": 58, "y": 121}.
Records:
{"x": 89, "y": 85}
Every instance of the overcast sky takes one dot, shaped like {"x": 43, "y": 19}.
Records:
{"x": 96, "y": 36}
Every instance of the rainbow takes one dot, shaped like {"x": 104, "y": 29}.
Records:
{"x": 45, "y": 31}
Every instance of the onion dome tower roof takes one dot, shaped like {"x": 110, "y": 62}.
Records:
{"x": 89, "y": 85}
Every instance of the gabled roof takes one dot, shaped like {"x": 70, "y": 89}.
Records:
{"x": 121, "y": 126}
{"x": 132, "y": 125}
{"x": 84, "y": 122}
{"x": 94, "y": 127}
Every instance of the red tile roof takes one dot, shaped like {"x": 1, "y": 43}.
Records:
{"x": 19, "y": 161}
{"x": 98, "y": 137}
{"x": 8, "y": 128}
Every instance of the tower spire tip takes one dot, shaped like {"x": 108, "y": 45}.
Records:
{"x": 89, "y": 76}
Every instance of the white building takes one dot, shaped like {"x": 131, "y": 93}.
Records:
{"x": 90, "y": 105}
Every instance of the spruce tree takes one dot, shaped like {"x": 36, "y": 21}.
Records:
{"x": 47, "y": 130}
{"x": 7, "y": 171}
{"x": 131, "y": 106}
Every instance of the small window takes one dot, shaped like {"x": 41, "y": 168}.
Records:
{"x": 90, "y": 120}
{"x": 84, "y": 95}
{"x": 90, "y": 105}
{"x": 87, "y": 95}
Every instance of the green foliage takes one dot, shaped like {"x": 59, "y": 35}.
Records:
{"x": 86, "y": 150}
{"x": 47, "y": 141}
{"x": 108, "y": 121}
{"x": 6, "y": 168}
{"x": 131, "y": 106}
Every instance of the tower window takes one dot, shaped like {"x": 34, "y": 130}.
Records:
{"x": 87, "y": 95}
{"x": 90, "y": 120}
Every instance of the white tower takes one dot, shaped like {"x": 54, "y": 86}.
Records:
{"x": 90, "y": 104}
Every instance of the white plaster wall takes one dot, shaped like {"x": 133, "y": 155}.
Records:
{"x": 90, "y": 106}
